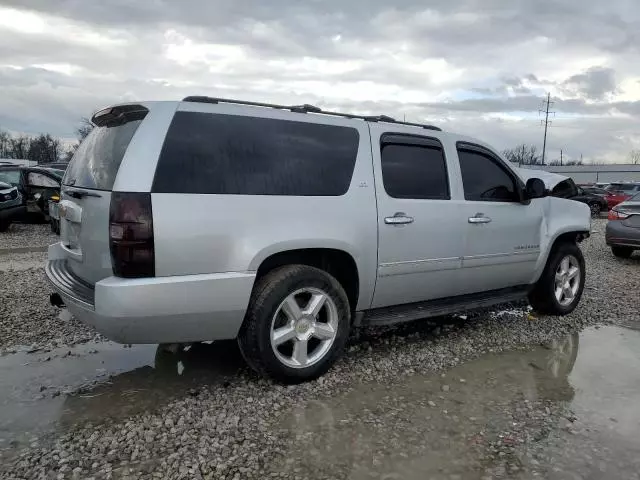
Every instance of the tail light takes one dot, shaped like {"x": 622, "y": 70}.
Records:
{"x": 131, "y": 235}
{"x": 617, "y": 215}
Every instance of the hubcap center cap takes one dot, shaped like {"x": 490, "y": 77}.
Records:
{"x": 303, "y": 326}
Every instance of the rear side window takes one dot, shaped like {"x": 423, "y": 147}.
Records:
{"x": 230, "y": 154}
{"x": 484, "y": 179}
{"x": 97, "y": 160}
{"x": 414, "y": 171}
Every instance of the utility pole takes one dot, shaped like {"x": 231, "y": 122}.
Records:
{"x": 547, "y": 103}
{"x": 560, "y": 157}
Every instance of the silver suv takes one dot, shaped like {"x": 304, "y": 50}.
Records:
{"x": 286, "y": 226}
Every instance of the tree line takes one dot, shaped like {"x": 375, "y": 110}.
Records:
{"x": 41, "y": 148}
{"x": 529, "y": 155}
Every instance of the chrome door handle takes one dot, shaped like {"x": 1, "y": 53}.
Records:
{"x": 399, "y": 218}
{"x": 479, "y": 218}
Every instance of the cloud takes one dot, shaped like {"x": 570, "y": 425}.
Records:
{"x": 478, "y": 67}
{"x": 595, "y": 84}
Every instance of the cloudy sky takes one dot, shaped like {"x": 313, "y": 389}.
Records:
{"x": 479, "y": 67}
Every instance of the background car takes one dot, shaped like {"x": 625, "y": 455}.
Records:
{"x": 623, "y": 229}
{"x": 10, "y": 205}
{"x": 569, "y": 190}
{"x": 620, "y": 192}
{"x": 62, "y": 166}
{"x": 36, "y": 186}
{"x": 601, "y": 192}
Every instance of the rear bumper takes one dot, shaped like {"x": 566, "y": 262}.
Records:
{"x": 621, "y": 235}
{"x": 177, "y": 309}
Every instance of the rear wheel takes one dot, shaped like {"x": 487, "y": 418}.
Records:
{"x": 296, "y": 325}
{"x": 595, "y": 209}
{"x": 559, "y": 289}
{"x": 622, "y": 252}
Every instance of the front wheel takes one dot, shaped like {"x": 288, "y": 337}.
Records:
{"x": 560, "y": 287}
{"x": 296, "y": 325}
{"x": 595, "y": 209}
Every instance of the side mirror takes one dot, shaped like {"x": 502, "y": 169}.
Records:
{"x": 535, "y": 188}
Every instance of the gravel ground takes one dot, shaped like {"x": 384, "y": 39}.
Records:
{"x": 27, "y": 235}
{"x": 27, "y": 320}
{"x": 243, "y": 430}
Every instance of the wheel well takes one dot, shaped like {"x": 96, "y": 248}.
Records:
{"x": 570, "y": 237}
{"x": 337, "y": 263}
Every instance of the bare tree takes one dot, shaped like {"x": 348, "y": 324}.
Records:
{"x": 82, "y": 131}
{"x": 634, "y": 157}
{"x": 523, "y": 155}
{"x": 44, "y": 149}
{"x": 20, "y": 146}
{"x": 5, "y": 145}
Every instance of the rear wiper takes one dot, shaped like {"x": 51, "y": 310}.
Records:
{"x": 80, "y": 193}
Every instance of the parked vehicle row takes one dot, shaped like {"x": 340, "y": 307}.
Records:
{"x": 35, "y": 186}
{"x": 285, "y": 226}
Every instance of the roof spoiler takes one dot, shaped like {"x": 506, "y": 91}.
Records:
{"x": 118, "y": 115}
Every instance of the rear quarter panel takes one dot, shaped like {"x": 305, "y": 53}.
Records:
{"x": 207, "y": 233}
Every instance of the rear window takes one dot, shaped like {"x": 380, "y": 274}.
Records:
{"x": 229, "y": 154}
{"x": 96, "y": 162}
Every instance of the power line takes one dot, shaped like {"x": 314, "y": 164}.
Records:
{"x": 547, "y": 103}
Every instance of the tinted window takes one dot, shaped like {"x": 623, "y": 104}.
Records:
{"x": 11, "y": 177}
{"x": 229, "y": 154}
{"x": 96, "y": 162}
{"x": 413, "y": 171}
{"x": 484, "y": 179}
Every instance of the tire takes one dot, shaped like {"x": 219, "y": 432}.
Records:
{"x": 543, "y": 297}
{"x": 595, "y": 208}
{"x": 622, "y": 252}
{"x": 272, "y": 307}
{"x": 4, "y": 226}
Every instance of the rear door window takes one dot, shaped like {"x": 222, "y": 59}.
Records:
{"x": 97, "y": 160}
{"x": 228, "y": 154}
{"x": 415, "y": 170}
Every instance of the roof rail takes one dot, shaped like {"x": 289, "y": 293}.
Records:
{"x": 306, "y": 108}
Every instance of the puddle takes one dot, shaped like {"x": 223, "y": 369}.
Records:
{"x": 442, "y": 427}
{"x": 94, "y": 381}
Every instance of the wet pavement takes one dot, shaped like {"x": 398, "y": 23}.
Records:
{"x": 569, "y": 409}
{"x": 566, "y": 410}
{"x": 46, "y": 392}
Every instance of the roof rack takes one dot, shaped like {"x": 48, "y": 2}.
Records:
{"x": 306, "y": 108}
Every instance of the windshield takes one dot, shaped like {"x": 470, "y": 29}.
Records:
{"x": 10, "y": 176}
{"x": 97, "y": 160}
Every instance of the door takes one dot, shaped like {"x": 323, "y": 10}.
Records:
{"x": 502, "y": 232}
{"x": 40, "y": 188}
{"x": 420, "y": 235}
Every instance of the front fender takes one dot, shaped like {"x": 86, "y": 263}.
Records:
{"x": 563, "y": 217}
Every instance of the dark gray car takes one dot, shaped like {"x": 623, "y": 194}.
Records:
{"x": 623, "y": 229}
